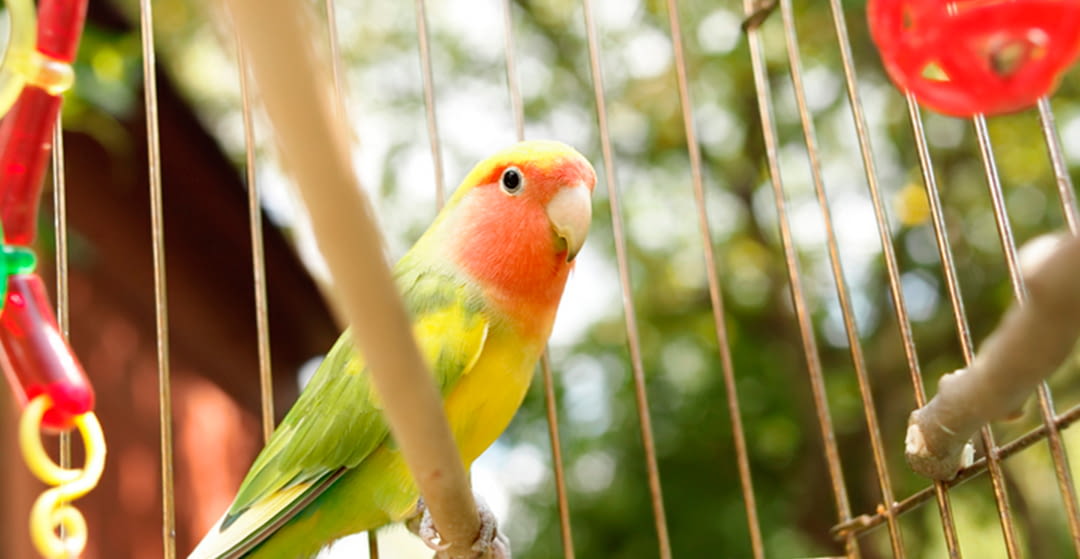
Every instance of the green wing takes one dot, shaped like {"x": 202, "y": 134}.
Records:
{"x": 337, "y": 420}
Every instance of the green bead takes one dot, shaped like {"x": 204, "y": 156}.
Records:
{"x": 17, "y": 260}
{"x": 13, "y": 260}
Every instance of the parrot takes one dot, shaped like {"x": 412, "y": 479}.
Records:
{"x": 481, "y": 285}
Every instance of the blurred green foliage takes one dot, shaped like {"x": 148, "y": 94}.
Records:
{"x": 609, "y": 496}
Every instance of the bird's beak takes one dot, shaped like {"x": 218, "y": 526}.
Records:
{"x": 570, "y": 212}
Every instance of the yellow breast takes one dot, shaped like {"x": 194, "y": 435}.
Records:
{"x": 484, "y": 401}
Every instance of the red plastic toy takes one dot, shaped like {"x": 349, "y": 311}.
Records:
{"x": 976, "y": 56}
{"x": 44, "y": 374}
{"x": 35, "y": 357}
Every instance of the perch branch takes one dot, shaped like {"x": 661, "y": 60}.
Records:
{"x": 297, "y": 90}
{"x": 1031, "y": 342}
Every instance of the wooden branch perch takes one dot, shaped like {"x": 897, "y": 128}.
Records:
{"x": 297, "y": 90}
{"x": 1032, "y": 341}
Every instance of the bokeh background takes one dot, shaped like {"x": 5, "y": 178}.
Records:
{"x": 211, "y": 302}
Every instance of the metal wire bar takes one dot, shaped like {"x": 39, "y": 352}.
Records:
{"x": 861, "y": 524}
{"x": 865, "y": 393}
{"x": 723, "y": 344}
{"x": 641, "y": 396}
{"x": 997, "y": 199}
{"x": 516, "y": 106}
{"x": 258, "y": 254}
{"x": 1046, "y": 406}
{"x": 429, "y": 101}
{"x": 1057, "y": 162}
{"x": 806, "y": 329}
{"x": 168, "y": 523}
{"x": 373, "y": 544}
{"x": 63, "y": 314}
{"x": 881, "y": 217}
{"x": 550, "y": 398}
{"x": 941, "y": 236}
{"x": 551, "y": 407}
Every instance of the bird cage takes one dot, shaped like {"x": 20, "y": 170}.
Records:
{"x": 787, "y": 253}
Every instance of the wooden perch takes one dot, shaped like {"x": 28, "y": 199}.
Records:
{"x": 297, "y": 91}
{"x": 1032, "y": 341}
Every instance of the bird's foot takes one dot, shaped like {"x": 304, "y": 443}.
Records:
{"x": 489, "y": 544}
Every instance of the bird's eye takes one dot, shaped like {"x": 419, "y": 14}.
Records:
{"x": 512, "y": 181}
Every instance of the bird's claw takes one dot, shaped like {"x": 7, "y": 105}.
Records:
{"x": 427, "y": 531}
{"x": 489, "y": 544}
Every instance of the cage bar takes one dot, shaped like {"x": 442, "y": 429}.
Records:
{"x": 168, "y": 523}
{"x": 1066, "y": 487}
{"x": 258, "y": 254}
{"x": 716, "y": 302}
{"x": 806, "y": 330}
{"x": 629, "y": 314}
{"x": 429, "y": 102}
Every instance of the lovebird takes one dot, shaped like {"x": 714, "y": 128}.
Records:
{"x": 482, "y": 285}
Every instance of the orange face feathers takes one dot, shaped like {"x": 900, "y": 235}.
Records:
{"x": 518, "y": 220}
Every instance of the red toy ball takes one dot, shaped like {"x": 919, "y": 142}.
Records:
{"x": 976, "y": 56}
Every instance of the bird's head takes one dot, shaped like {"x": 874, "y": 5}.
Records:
{"x": 520, "y": 218}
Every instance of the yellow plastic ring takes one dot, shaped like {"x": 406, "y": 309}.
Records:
{"x": 51, "y": 510}
{"x": 21, "y": 48}
{"x": 34, "y": 453}
{"x": 48, "y": 514}
{"x": 76, "y": 482}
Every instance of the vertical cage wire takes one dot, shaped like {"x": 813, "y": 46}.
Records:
{"x": 258, "y": 254}
{"x": 861, "y": 374}
{"x": 1063, "y": 182}
{"x": 168, "y": 505}
{"x": 1065, "y": 483}
{"x": 517, "y": 108}
{"x": 429, "y": 101}
{"x": 63, "y": 310}
{"x": 806, "y": 330}
{"x": 629, "y": 314}
{"x": 716, "y": 302}
{"x": 551, "y": 409}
